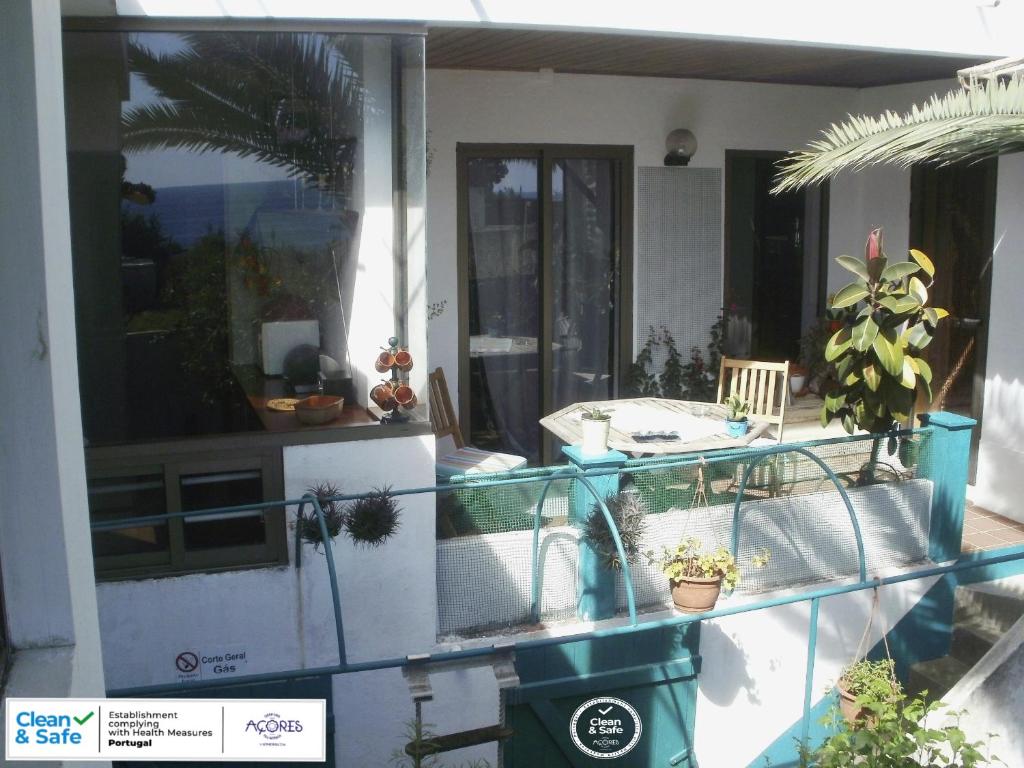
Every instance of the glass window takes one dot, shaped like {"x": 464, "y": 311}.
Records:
{"x": 227, "y": 192}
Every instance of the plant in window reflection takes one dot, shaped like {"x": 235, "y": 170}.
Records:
{"x": 196, "y": 289}
{"x": 294, "y": 101}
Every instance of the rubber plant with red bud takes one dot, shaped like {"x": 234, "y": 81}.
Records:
{"x": 878, "y": 351}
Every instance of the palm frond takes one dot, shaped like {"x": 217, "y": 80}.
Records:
{"x": 240, "y": 92}
{"x": 977, "y": 121}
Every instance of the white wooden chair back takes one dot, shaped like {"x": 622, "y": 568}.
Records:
{"x": 764, "y": 385}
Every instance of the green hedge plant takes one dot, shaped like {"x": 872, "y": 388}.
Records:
{"x": 878, "y": 352}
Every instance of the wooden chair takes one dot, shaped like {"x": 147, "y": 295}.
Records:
{"x": 764, "y": 385}
{"x": 466, "y": 459}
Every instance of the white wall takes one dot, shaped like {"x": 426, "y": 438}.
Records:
{"x": 500, "y": 107}
{"x": 1000, "y": 481}
{"x": 45, "y": 550}
{"x": 283, "y": 617}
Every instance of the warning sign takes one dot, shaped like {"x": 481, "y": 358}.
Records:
{"x": 210, "y": 665}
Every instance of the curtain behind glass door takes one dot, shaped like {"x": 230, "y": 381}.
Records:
{"x": 584, "y": 270}
{"x": 504, "y": 308}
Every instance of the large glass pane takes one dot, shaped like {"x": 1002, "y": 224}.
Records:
{"x": 128, "y": 496}
{"x": 584, "y": 270}
{"x": 504, "y": 304}
{"x": 212, "y": 490}
{"x": 232, "y": 223}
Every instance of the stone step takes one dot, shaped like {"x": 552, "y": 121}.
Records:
{"x": 994, "y": 610}
{"x": 936, "y": 676}
{"x": 972, "y": 639}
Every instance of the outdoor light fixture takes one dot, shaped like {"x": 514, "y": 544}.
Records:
{"x": 681, "y": 145}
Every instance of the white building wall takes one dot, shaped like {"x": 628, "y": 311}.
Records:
{"x": 496, "y": 107}
{"x": 44, "y": 535}
{"x": 1000, "y": 481}
{"x": 283, "y": 617}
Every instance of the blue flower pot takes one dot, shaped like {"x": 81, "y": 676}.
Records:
{"x": 737, "y": 428}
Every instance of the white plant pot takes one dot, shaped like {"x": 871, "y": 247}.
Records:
{"x": 595, "y": 436}
{"x": 796, "y": 383}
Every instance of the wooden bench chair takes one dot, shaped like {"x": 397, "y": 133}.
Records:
{"x": 465, "y": 459}
{"x": 764, "y": 385}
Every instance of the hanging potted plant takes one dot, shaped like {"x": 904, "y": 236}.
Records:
{"x": 308, "y": 525}
{"x": 696, "y": 577}
{"x": 863, "y": 682}
{"x": 878, "y": 350}
{"x": 736, "y": 420}
{"x": 596, "y": 426}
{"x": 629, "y": 513}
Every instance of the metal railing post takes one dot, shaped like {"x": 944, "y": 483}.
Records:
{"x": 595, "y": 582}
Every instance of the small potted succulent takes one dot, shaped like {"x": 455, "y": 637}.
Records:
{"x": 866, "y": 681}
{"x": 697, "y": 576}
{"x": 596, "y": 422}
{"x": 736, "y": 421}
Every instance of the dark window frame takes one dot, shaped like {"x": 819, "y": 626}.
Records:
{"x": 177, "y": 560}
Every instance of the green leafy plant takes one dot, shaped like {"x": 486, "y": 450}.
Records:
{"x": 596, "y": 414}
{"x": 877, "y": 351}
{"x": 373, "y": 519}
{"x": 629, "y": 514}
{"x": 334, "y": 515}
{"x": 689, "y": 560}
{"x": 894, "y": 731}
{"x": 984, "y": 118}
{"x": 738, "y": 408}
{"x": 820, "y": 372}
{"x": 875, "y": 680}
{"x": 695, "y": 379}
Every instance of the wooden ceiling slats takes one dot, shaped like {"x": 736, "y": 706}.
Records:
{"x": 612, "y": 54}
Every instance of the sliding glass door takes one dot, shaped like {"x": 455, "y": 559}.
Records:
{"x": 545, "y": 286}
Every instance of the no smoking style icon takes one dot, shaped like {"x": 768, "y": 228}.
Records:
{"x": 605, "y": 728}
{"x": 186, "y": 662}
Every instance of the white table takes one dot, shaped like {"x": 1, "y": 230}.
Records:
{"x": 701, "y": 426}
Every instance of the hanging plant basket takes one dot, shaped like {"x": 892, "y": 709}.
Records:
{"x": 696, "y": 594}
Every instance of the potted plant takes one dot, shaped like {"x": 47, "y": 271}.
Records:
{"x": 864, "y": 682}
{"x": 736, "y": 421}
{"x": 307, "y": 524}
{"x": 629, "y": 514}
{"x": 596, "y": 425}
{"x": 374, "y": 518}
{"x": 798, "y": 378}
{"x": 892, "y": 729}
{"x": 878, "y": 350}
{"x": 696, "y": 577}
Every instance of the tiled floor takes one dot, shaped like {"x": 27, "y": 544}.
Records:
{"x": 987, "y": 530}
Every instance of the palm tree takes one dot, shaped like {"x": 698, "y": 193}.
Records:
{"x": 293, "y": 101}
{"x": 982, "y": 119}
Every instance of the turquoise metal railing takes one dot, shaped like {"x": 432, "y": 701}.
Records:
{"x": 584, "y": 477}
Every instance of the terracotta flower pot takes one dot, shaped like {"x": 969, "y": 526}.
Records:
{"x": 696, "y": 594}
{"x": 848, "y": 706}
{"x": 403, "y": 360}
{"x": 404, "y": 395}
{"x": 384, "y": 362}
{"x": 381, "y": 394}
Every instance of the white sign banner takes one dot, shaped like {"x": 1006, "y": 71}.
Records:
{"x": 244, "y": 730}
